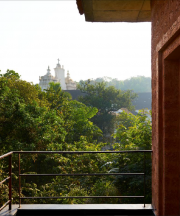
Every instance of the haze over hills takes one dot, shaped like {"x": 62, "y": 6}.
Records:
{"x": 137, "y": 84}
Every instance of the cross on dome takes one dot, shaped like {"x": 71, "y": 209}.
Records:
{"x": 58, "y": 63}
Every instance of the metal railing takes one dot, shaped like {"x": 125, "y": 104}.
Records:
{"x": 75, "y": 174}
{"x": 10, "y": 180}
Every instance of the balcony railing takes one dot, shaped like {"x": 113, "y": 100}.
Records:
{"x": 9, "y": 178}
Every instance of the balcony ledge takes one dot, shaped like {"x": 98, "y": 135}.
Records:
{"x": 81, "y": 209}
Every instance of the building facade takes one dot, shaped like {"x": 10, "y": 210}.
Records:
{"x": 66, "y": 82}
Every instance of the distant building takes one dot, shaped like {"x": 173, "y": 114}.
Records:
{"x": 66, "y": 82}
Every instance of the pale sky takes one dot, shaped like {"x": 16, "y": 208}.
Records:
{"x": 34, "y": 34}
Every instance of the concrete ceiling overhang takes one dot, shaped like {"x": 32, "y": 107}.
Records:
{"x": 115, "y": 10}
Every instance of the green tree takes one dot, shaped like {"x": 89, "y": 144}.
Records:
{"x": 78, "y": 122}
{"x": 11, "y": 74}
{"x": 31, "y": 119}
{"x": 76, "y": 115}
{"x": 106, "y": 100}
{"x": 26, "y": 121}
{"x": 133, "y": 133}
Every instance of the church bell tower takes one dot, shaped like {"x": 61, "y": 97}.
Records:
{"x": 60, "y": 75}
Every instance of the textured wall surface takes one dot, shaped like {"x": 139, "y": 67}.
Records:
{"x": 165, "y": 106}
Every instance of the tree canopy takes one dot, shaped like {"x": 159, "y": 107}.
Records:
{"x": 106, "y": 100}
{"x": 134, "y": 131}
{"x": 31, "y": 119}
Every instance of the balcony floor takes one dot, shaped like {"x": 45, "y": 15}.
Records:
{"x": 78, "y": 209}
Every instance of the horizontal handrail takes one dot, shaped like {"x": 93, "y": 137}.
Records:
{"x": 81, "y": 174}
{"x": 83, "y": 197}
{"x": 79, "y": 152}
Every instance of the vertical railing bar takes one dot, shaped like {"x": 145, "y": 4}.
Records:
{"x": 10, "y": 182}
{"x": 144, "y": 180}
{"x": 19, "y": 181}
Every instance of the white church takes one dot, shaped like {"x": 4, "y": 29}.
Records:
{"x": 66, "y": 82}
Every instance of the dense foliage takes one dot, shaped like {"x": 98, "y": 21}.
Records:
{"x": 137, "y": 84}
{"x": 134, "y": 133}
{"x": 106, "y": 100}
{"x": 34, "y": 120}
